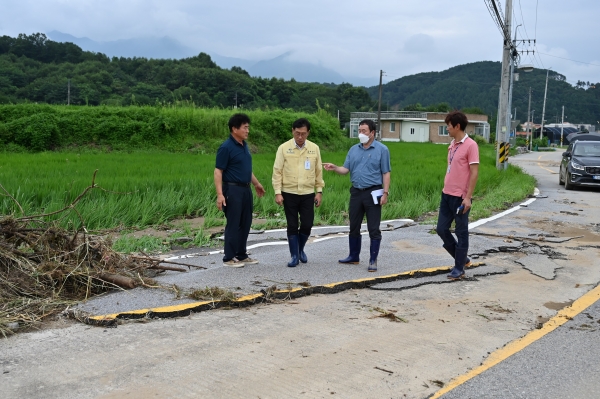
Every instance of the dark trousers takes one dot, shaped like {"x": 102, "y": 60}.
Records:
{"x": 239, "y": 219}
{"x": 361, "y": 203}
{"x": 303, "y": 205}
{"x": 448, "y": 206}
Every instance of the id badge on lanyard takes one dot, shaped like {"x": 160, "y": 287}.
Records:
{"x": 307, "y": 164}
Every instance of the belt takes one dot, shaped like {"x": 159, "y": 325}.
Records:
{"x": 368, "y": 188}
{"x": 234, "y": 183}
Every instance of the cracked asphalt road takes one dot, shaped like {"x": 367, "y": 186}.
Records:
{"x": 347, "y": 344}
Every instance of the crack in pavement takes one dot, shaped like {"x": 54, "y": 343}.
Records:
{"x": 438, "y": 281}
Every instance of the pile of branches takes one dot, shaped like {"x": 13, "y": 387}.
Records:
{"x": 45, "y": 269}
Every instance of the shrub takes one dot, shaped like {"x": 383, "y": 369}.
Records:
{"x": 176, "y": 128}
{"x": 479, "y": 139}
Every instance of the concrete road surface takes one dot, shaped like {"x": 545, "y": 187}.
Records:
{"x": 525, "y": 324}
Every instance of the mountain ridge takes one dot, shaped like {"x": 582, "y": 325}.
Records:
{"x": 168, "y": 48}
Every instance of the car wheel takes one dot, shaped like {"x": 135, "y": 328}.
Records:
{"x": 560, "y": 180}
{"x": 568, "y": 184}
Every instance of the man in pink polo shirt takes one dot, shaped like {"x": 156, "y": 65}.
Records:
{"x": 459, "y": 184}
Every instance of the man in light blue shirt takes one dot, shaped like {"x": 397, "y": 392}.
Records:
{"x": 369, "y": 167}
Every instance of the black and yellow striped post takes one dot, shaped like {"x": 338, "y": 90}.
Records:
{"x": 503, "y": 152}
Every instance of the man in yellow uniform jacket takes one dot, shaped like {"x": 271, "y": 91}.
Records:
{"x": 297, "y": 174}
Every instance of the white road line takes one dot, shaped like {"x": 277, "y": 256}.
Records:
{"x": 272, "y": 243}
{"x": 507, "y": 212}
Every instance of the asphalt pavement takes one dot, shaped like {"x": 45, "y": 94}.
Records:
{"x": 562, "y": 363}
{"x": 407, "y": 332}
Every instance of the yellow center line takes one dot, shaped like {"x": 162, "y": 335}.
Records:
{"x": 513, "y": 347}
{"x": 551, "y": 171}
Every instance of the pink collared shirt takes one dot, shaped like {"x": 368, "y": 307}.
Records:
{"x": 460, "y": 156}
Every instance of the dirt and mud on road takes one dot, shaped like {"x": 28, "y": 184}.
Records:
{"x": 390, "y": 340}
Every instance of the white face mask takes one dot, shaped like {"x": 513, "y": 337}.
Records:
{"x": 363, "y": 138}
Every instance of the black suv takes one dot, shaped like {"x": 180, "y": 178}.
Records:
{"x": 580, "y": 165}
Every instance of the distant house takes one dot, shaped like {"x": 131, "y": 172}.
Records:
{"x": 421, "y": 127}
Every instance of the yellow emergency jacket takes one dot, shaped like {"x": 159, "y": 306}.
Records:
{"x": 298, "y": 171}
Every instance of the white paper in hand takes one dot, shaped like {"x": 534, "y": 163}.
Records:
{"x": 375, "y": 194}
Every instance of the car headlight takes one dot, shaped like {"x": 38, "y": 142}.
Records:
{"x": 577, "y": 166}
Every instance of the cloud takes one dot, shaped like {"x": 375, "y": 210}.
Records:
{"x": 419, "y": 44}
{"x": 354, "y": 37}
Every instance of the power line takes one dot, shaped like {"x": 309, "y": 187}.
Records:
{"x": 535, "y": 34}
{"x": 523, "y": 19}
{"x": 530, "y": 56}
{"x": 568, "y": 59}
{"x": 536, "y": 14}
{"x": 497, "y": 18}
{"x": 444, "y": 79}
{"x": 494, "y": 17}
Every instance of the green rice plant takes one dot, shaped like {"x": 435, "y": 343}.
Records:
{"x": 270, "y": 224}
{"x": 213, "y": 222}
{"x": 200, "y": 238}
{"x": 147, "y": 244}
{"x": 148, "y": 188}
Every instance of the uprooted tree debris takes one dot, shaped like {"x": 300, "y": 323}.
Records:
{"x": 44, "y": 268}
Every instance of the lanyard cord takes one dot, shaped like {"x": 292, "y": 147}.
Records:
{"x": 452, "y": 153}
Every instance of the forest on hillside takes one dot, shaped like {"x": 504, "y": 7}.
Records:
{"x": 36, "y": 69}
{"x": 477, "y": 85}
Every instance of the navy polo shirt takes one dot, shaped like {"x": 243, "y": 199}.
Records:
{"x": 235, "y": 160}
{"x": 367, "y": 166}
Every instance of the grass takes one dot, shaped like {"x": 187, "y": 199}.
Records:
{"x": 151, "y": 187}
{"x": 129, "y": 243}
{"x": 177, "y": 128}
{"x": 147, "y": 244}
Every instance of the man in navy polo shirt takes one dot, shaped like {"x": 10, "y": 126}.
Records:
{"x": 369, "y": 167}
{"x": 233, "y": 175}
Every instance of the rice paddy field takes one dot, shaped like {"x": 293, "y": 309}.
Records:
{"x": 149, "y": 188}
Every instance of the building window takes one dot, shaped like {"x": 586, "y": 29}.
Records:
{"x": 442, "y": 130}
{"x": 479, "y": 130}
{"x": 392, "y": 126}
{"x": 412, "y": 130}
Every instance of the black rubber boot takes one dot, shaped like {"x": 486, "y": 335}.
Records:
{"x": 452, "y": 252}
{"x": 302, "y": 238}
{"x": 458, "y": 271}
{"x": 374, "y": 253}
{"x": 354, "y": 257}
{"x": 293, "y": 243}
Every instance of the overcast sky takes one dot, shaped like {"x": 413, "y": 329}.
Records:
{"x": 354, "y": 37}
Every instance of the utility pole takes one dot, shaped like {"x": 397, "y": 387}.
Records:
{"x": 503, "y": 122}
{"x": 69, "y": 92}
{"x": 529, "y": 120}
{"x": 235, "y": 100}
{"x": 562, "y": 124}
{"x": 379, "y": 104}
{"x": 544, "y": 106}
